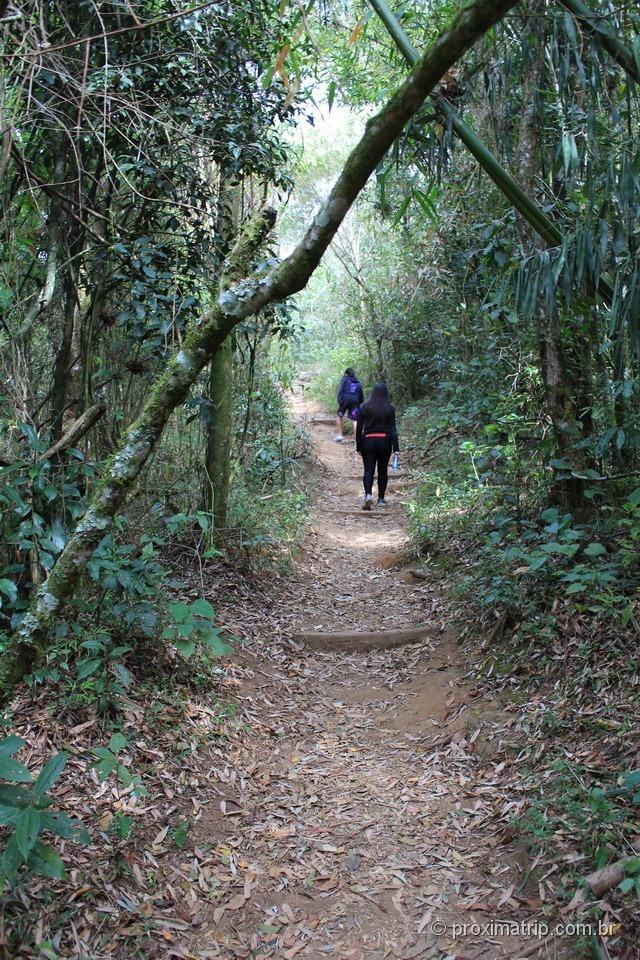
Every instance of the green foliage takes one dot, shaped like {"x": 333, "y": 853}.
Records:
{"x": 564, "y": 804}
{"x": 39, "y": 500}
{"x": 26, "y": 812}
{"x": 192, "y": 624}
{"x": 101, "y": 677}
{"x": 108, "y": 761}
{"x": 270, "y": 525}
{"x": 631, "y": 881}
{"x": 180, "y": 834}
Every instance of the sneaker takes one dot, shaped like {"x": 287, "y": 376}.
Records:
{"x": 338, "y": 438}
{"x": 382, "y": 502}
{"x": 368, "y": 500}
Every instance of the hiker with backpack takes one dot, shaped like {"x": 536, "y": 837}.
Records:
{"x": 376, "y": 438}
{"x": 350, "y": 396}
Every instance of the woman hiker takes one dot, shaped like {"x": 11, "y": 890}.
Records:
{"x": 376, "y": 437}
{"x": 350, "y": 396}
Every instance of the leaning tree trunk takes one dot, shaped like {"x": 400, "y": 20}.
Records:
{"x": 241, "y": 296}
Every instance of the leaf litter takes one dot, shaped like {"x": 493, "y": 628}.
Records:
{"x": 353, "y": 806}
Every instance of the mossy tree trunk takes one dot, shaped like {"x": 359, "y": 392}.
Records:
{"x": 242, "y": 294}
{"x": 220, "y": 423}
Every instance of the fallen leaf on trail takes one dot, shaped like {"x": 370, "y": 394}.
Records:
{"x": 160, "y": 836}
{"x": 236, "y": 902}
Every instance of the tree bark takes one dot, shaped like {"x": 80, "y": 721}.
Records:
{"x": 220, "y": 426}
{"x": 76, "y": 430}
{"x": 62, "y": 375}
{"x": 559, "y": 390}
{"x": 220, "y": 435}
{"x": 241, "y": 295}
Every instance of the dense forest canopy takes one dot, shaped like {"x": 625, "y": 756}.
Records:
{"x": 204, "y": 206}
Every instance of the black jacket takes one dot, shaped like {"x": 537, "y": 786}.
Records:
{"x": 370, "y": 422}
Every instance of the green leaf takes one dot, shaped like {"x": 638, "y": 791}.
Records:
{"x": 203, "y": 608}
{"x": 9, "y": 589}
{"x": 634, "y": 498}
{"x": 8, "y": 815}
{"x": 122, "y": 672}
{"x": 626, "y": 885}
{"x": 27, "y": 830}
{"x": 181, "y": 833}
{"x": 15, "y": 796}
{"x": 180, "y": 611}
{"x": 62, "y": 825}
{"x": 10, "y": 769}
{"x": 44, "y": 860}
{"x": 87, "y": 667}
{"x": 93, "y": 646}
{"x": 185, "y": 647}
{"x": 11, "y": 858}
{"x": 215, "y": 642}
{"x": 560, "y": 464}
{"x": 105, "y": 768}
{"x": 11, "y": 745}
{"x": 595, "y": 550}
{"x": 118, "y": 652}
{"x": 50, "y": 773}
{"x": 118, "y": 743}
{"x": 107, "y": 763}
{"x": 567, "y": 549}
{"x": 577, "y": 587}
{"x": 402, "y": 209}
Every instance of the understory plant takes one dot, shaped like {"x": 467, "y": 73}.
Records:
{"x": 26, "y": 815}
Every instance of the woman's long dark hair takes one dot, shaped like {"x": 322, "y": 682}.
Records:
{"x": 378, "y": 403}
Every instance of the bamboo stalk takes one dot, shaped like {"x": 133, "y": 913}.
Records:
{"x": 528, "y": 208}
{"x": 590, "y": 21}
{"x": 532, "y": 213}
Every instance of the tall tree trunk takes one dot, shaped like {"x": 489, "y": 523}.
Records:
{"x": 72, "y": 253}
{"x": 242, "y": 295}
{"x": 251, "y": 372}
{"x": 559, "y": 390}
{"x": 220, "y": 424}
{"x": 220, "y": 435}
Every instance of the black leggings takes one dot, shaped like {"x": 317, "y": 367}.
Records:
{"x": 376, "y": 451}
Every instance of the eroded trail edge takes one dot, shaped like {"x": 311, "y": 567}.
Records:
{"x": 361, "y": 810}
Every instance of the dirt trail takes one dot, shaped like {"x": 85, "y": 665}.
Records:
{"x": 358, "y": 815}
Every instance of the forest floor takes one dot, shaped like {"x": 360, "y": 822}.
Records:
{"x": 343, "y": 804}
{"x": 363, "y": 811}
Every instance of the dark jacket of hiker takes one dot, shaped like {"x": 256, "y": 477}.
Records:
{"x": 377, "y": 419}
{"x": 350, "y": 392}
